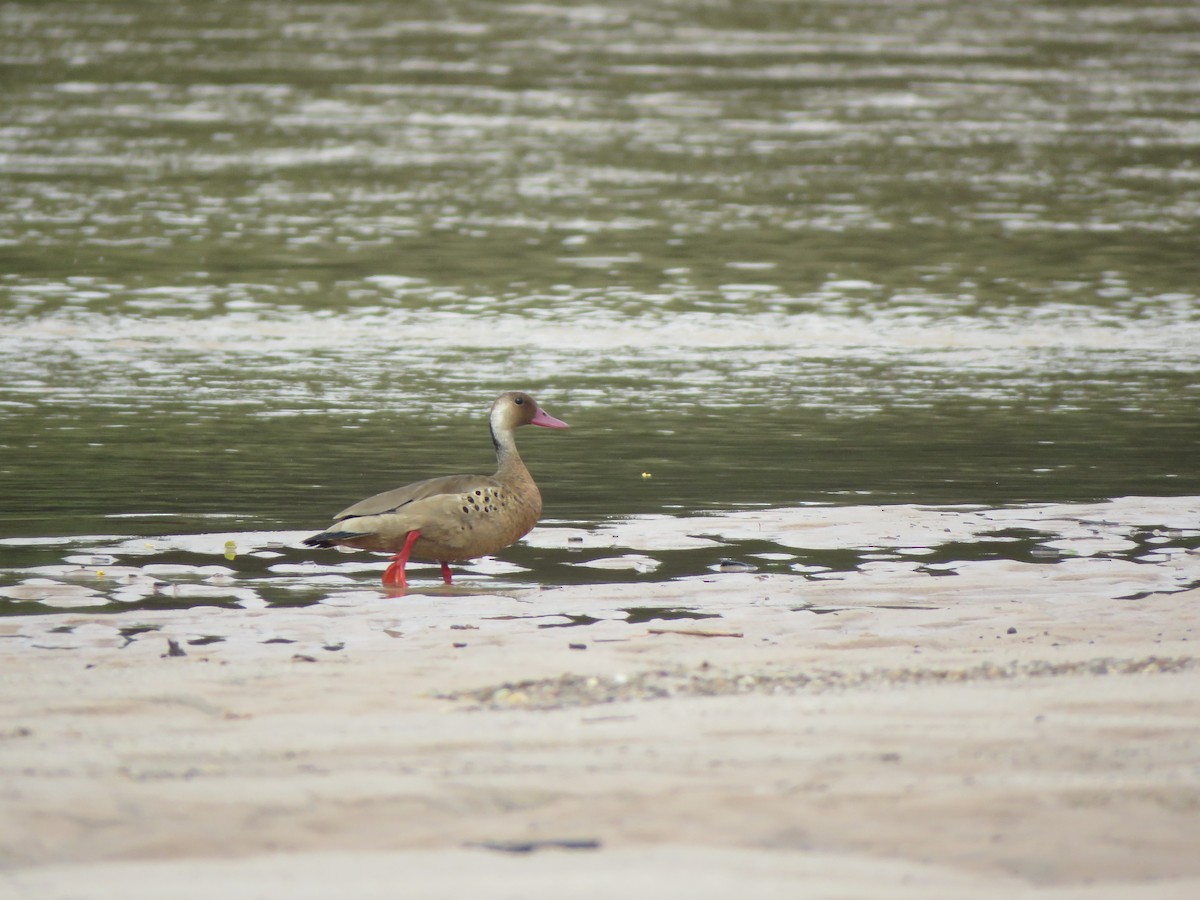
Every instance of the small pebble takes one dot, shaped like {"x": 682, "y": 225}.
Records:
{"x": 1011, "y": 631}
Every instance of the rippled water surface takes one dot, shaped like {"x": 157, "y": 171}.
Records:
{"x": 259, "y": 260}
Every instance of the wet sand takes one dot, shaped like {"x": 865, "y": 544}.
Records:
{"x": 1025, "y": 735}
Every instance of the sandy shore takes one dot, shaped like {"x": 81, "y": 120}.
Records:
{"x": 960, "y": 736}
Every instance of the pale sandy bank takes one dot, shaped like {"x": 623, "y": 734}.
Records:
{"x": 914, "y": 751}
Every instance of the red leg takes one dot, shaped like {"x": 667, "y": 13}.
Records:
{"x": 394, "y": 574}
{"x": 446, "y": 572}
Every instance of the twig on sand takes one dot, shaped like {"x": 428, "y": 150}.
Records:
{"x": 697, "y": 632}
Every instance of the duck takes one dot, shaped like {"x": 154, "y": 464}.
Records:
{"x": 451, "y": 518}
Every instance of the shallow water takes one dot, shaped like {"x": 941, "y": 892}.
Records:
{"x": 257, "y": 263}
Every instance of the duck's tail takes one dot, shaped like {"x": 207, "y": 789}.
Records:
{"x": 331, "y": 538}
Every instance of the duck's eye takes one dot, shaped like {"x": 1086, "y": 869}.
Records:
{"x": 520, "y": 401}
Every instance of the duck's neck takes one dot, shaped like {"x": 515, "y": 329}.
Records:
{"x": 509, "y": 466}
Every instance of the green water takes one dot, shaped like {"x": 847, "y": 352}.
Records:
{"x": 259, "y": 260}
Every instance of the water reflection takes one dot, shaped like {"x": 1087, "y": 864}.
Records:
{"x": 1133, "y": 547}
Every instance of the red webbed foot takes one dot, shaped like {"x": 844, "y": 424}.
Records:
{"x": 393, "y": 575}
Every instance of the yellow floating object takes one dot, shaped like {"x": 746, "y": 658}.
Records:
{"x": 647, "y": 475}
{"x": 230, "y": 550}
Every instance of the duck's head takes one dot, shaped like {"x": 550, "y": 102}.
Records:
{"x": 516, "y": 408}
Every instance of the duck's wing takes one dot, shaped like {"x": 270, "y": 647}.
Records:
{"x": 393, "y": 500}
